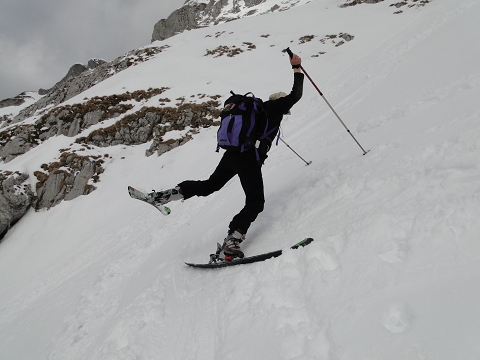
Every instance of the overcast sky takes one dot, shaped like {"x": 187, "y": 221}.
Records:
{"x": 41, "y": 39}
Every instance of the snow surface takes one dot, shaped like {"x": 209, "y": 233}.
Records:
{"x": 394, "y": 271}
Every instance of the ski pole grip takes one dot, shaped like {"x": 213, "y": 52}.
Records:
{"x": 289, "y": 52}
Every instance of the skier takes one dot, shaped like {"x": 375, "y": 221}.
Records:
{"x": 246, "y": 166}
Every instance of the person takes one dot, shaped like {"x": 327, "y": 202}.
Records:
{"x": 246, "y": 166}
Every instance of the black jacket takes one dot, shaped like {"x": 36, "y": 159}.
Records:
{"x": 275, "y": 110}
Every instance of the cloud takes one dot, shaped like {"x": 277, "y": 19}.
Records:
{"x": 27, "y": 59}
{"x": 41, "y": 40}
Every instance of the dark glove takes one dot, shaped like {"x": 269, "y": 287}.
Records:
{"x": 263, "y": 148}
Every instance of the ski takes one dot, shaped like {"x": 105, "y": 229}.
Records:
{"x": 214, "y": 264}
{"x": 140, "y": 195}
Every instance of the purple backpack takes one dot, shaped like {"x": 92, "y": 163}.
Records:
{"x": 243, "y": 123}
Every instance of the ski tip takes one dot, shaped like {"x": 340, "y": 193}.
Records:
{"x": 302, "y": 243}
{"x": 165, "y": 210}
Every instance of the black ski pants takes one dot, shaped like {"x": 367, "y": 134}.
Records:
{"x": 248, "y": 169}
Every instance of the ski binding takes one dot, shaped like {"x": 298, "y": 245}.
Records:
{"x": 140, "y": 195}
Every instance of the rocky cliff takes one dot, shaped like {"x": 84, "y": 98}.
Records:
{"x": 15, "y": 198}
{"x": 200, "y": 13}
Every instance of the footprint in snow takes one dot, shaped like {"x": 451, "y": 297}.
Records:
{"x": 396, "y": 318}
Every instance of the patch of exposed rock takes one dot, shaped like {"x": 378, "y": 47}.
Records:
{"x": 69, "y": 177}
{"x": 15, "y": 101}
{"x": 74, "y": 71}
{"x": 185, "y": 18}
{"x": 196, "y": 14}
{"x": 358, "y": 2}
{"x": 68, "y": 120}
{"x": 407, "y": 3}
{"x": 152, "y": 123}
{"x": 15, "y": 199}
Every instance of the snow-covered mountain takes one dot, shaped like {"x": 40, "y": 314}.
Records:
{"x": 198, "y": 13}
{"x": 394, "y": 268}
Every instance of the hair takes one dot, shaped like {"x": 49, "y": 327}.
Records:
{"x": 278, "y": 95}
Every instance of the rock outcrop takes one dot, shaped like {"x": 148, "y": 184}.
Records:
{"x": 15, "y": 101}
{"x": 15, "y": 199}
{"x": 73, "y": 175}
{"x": 180, "y": 20}
{"x": 75, "y": 85}
{"x": 153, "y": 123}
{"x": 68, "y": 120}
{"x": 74, "y": 71}
{"x": 196, "y": 14}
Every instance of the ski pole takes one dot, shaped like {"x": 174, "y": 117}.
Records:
{"x": 306, "y": 162}
{"x": 330, "y": 106}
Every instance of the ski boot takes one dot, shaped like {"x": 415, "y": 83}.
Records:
{"x": 231, "y": 247}
{"x": 163, "y": 197}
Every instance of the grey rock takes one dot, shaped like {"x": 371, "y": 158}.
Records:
{"x": 15, "y": 199}
{"x": 94, "y": 63}
{"x": 5, "y": 120}
{"x": 65, "y": 185}
{"x": 91, "y": 118}
{"x": 161, "y": 147}
{"x": 274, "y": 7}
{"x": 15, "y": 101}
{"x": 182, "y": 19}
{"x": 17, "y": 146}
{"x": 347, "y": 37}
{"x": 43, "y": 91}
{"x": 74, "y": 71}
{"x": 250, "y": 3}
{"x": 52, "y": 191}
{"x": 196, "y": 15}
{"x": 79, "y": 186}
{"x": 74, "y": 128}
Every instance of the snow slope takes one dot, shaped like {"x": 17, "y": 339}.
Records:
{"x": 394, "y": 269}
